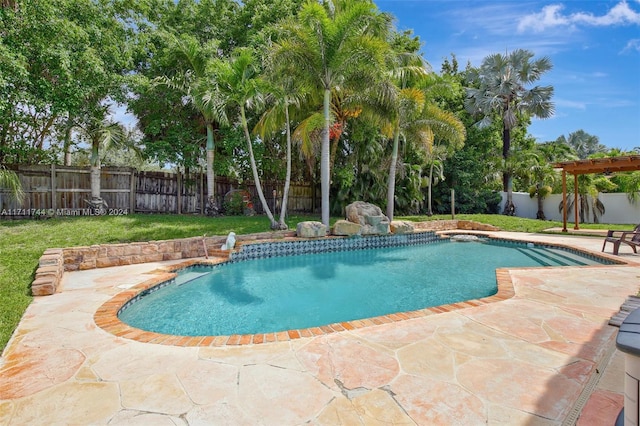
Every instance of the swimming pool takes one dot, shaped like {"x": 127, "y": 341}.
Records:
{"x": 296, "y": 292}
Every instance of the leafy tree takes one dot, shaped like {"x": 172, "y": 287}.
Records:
{"x": 334, "y": 44}
{"x": 62, "y": 58}
{"x": 499, "y": 92}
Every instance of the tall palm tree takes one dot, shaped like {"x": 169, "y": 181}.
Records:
{"x": 240, "y": 87}
{"x": 197, "y": 83}
{"x": 420, "y": 122}
{"x": 334, "y": 44}
{"x": 499, "y": 89}
{"x": 284, "y": 94}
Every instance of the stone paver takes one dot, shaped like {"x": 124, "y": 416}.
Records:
{"x": 523, "y": 360}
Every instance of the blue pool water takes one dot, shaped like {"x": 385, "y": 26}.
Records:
{"x": 295, "y": 292}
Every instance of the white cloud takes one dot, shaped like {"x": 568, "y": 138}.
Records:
{"x": 620, "y": 14}
{"x": 632, "y": 45}
{"x": 551, "y": 16}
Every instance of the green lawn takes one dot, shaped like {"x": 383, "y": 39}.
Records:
{"x": 23, "y": 242}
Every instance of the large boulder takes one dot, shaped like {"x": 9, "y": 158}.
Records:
{"x": 344, "y": 227}
{"x": 369, "y": 217}
{"x": 311, "y": 229}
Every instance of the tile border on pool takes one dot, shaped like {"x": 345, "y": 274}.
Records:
{"x": 106, "y": 317}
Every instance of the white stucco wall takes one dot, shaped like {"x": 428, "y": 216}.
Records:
{"x": 618, "y": 209}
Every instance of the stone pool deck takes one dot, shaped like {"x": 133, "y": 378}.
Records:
{"x": 546, "y": 356}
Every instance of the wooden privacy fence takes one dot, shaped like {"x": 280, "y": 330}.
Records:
{"x": 64, "y": 190}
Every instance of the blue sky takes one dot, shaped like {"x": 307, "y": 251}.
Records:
{"x": 594, "y": 47}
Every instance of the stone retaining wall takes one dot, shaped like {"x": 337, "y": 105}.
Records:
{"x": 54, "y": 262}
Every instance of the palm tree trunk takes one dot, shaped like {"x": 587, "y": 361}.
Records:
{"x": 287, "y": 180}
{"x": 211, "y": 193}
{"x": 96, "y": 202}
{"x": 540, "y": 214}
{"x": 429, "y": 210}
{"x": 509, "y": 207}
{"x": 254, "y": 169}
{"x": 95, "y": 169}
{"x": 506, "y": 147}
{"x": 67, "y": 143}
{"x": 391, "y": 186}
{"x": 325, "y": 177}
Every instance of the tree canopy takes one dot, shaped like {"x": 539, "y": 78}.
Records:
{"x": 333, "y": 94}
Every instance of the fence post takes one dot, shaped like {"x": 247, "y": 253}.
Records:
{"x": 201, "y": 193}
{"x": 179, "y": 200}
{"x": 132, "y": 193}
{"x": 53, "y": 187}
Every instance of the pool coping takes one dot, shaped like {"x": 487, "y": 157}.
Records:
{"x": 106, "y": 316}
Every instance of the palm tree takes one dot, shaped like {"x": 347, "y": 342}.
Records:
{"x": 500, "y": 90}
{"x": 336, "y": 44}
{"x": 588, "y": 189}
{"x": 435, "y": 160}
{"x": 583, "y": 144}
{"x": 541, "y": 171}
{"x": 421, "y": 123}
{"x": 542, "y": 176}
{"x": 197, "y": 84}
{"x": 516, "y": 165}
{"x": 240, "y": 87}
{"x": 102, "y": 133}
{"x": 284, "y": 94}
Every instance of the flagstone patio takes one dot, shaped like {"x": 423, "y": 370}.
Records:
{"x": 533, "y": 359}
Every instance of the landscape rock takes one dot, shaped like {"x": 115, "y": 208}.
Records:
{"x": 402, "y": 227}
{"x": 344, "y": 227}
{"x": 369, "y": 217}
{"x": 311, "y": 229}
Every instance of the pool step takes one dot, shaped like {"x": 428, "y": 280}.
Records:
{"x": 219, "y": 253}
{"x": 186, "y": 277}
{"x": 551, "y": 257}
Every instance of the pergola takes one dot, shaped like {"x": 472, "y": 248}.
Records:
{"x": 596, "y": 165}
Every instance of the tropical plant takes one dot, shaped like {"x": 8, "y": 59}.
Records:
{"x": 10, "y": 182}
{"x": 499, "y": 92}
{"x": 102, "y": 133}
{"x": 284, "y": 94}
{"x": 517, "y": 165}
{"x": 589, "y": 187}
{"x": 240, "y": 87}
{"x": 543, "y": 176}
{"x": 338, "y": 44}
{"x": 197, "y": 83}
{"x": 435, "y": 161}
